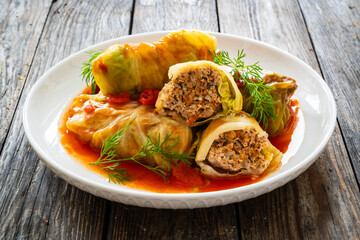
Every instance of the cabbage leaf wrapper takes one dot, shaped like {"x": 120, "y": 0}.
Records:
{"x": 236, "y": 146}
{"x": 132, "y": 68}
{"x": 282, "y": 89}
{"x": 198, "y": 92}
{"x": 107, "y": 119}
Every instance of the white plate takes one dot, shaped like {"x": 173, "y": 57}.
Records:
{"x": 58, "y": 86}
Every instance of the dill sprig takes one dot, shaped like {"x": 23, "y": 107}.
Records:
{"x": 260, "y": 102}
{"x": 148, "y": 149}
{"x": 86, "y": 69}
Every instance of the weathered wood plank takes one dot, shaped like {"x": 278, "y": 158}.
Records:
{"x": 142, "y": 223}
{"x": 129, "y": 222}
{"x": 21, "y": 23}
{"x": 160, "y": 15}
{"x": 334, "y": 27}
{"x": 34, "y": 203}
{"x": 324, "y": 201}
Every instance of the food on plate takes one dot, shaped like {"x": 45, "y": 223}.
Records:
{"x": 132, "y": 68}
{"x": 234, "y": 146}
{"x": 259, "y": 102}
{"x": 282, "y": 89}
{"x": 94, "y": 120}
{"x": 198, "y": 92}
{"x": 183, "y": 112}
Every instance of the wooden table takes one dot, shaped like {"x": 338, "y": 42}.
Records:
{"x": 322, "y": 203}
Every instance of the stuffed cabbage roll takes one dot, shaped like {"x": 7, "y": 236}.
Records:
{"x": 199, "y": 92}
{"x": 135, "y": 67}
{"x": 103, "y": 120}
{"x": 236, "y": 146}
{"x": 282, "y": 89}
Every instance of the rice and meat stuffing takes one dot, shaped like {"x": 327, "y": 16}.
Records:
{"x": 239, "y": 151}
{"x": 194, "y": 94}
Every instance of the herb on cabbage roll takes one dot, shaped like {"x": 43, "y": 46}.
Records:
{"x": 148, "y": 149}
{"x": 86, "y": 68}
{"x": 260, "y": 102}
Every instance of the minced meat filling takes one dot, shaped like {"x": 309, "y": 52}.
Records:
{"x": 194, "y": 94}
{"x": 239, "y": 151}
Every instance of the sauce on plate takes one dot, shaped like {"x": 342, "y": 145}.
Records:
{"x": 184, "y": 178}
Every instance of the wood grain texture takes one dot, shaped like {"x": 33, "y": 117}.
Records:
{"x": 21, "y": 23}
{"x": 128, "y": 222}
{"x": 324, "y": 201}
{"x": 34, "y": 203}
{"x": 334, "y": 27}
{"x": 159, "y": 15}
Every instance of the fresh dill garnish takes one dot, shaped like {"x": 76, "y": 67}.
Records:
{"x": 259, "y": 102}
{"x": 86, "y": 69}
{"x": 148, "y": 149}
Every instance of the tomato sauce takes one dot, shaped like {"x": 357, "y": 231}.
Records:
{"x": 283, "y": 139}
{"x": 183, "y": 178}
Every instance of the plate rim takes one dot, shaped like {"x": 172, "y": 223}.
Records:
{"x": 290, "y": 174}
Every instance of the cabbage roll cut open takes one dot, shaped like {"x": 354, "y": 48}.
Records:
{"x": 198, "y": 92}
{"x": 132, "y": 68}
{"x": 236, "y": 146}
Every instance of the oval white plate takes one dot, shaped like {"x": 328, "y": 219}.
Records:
{"x": 58, "y": 86}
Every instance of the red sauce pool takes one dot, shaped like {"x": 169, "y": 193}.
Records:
{"x": 182, "y": 179}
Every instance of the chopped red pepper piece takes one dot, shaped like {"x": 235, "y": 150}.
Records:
{"x": 238, "y": 80}
{"x": 240, "y": 84}
{"x": 149, "y": 96}
{"x": 118, "y": 99}
{"x": 88, "y": 109}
